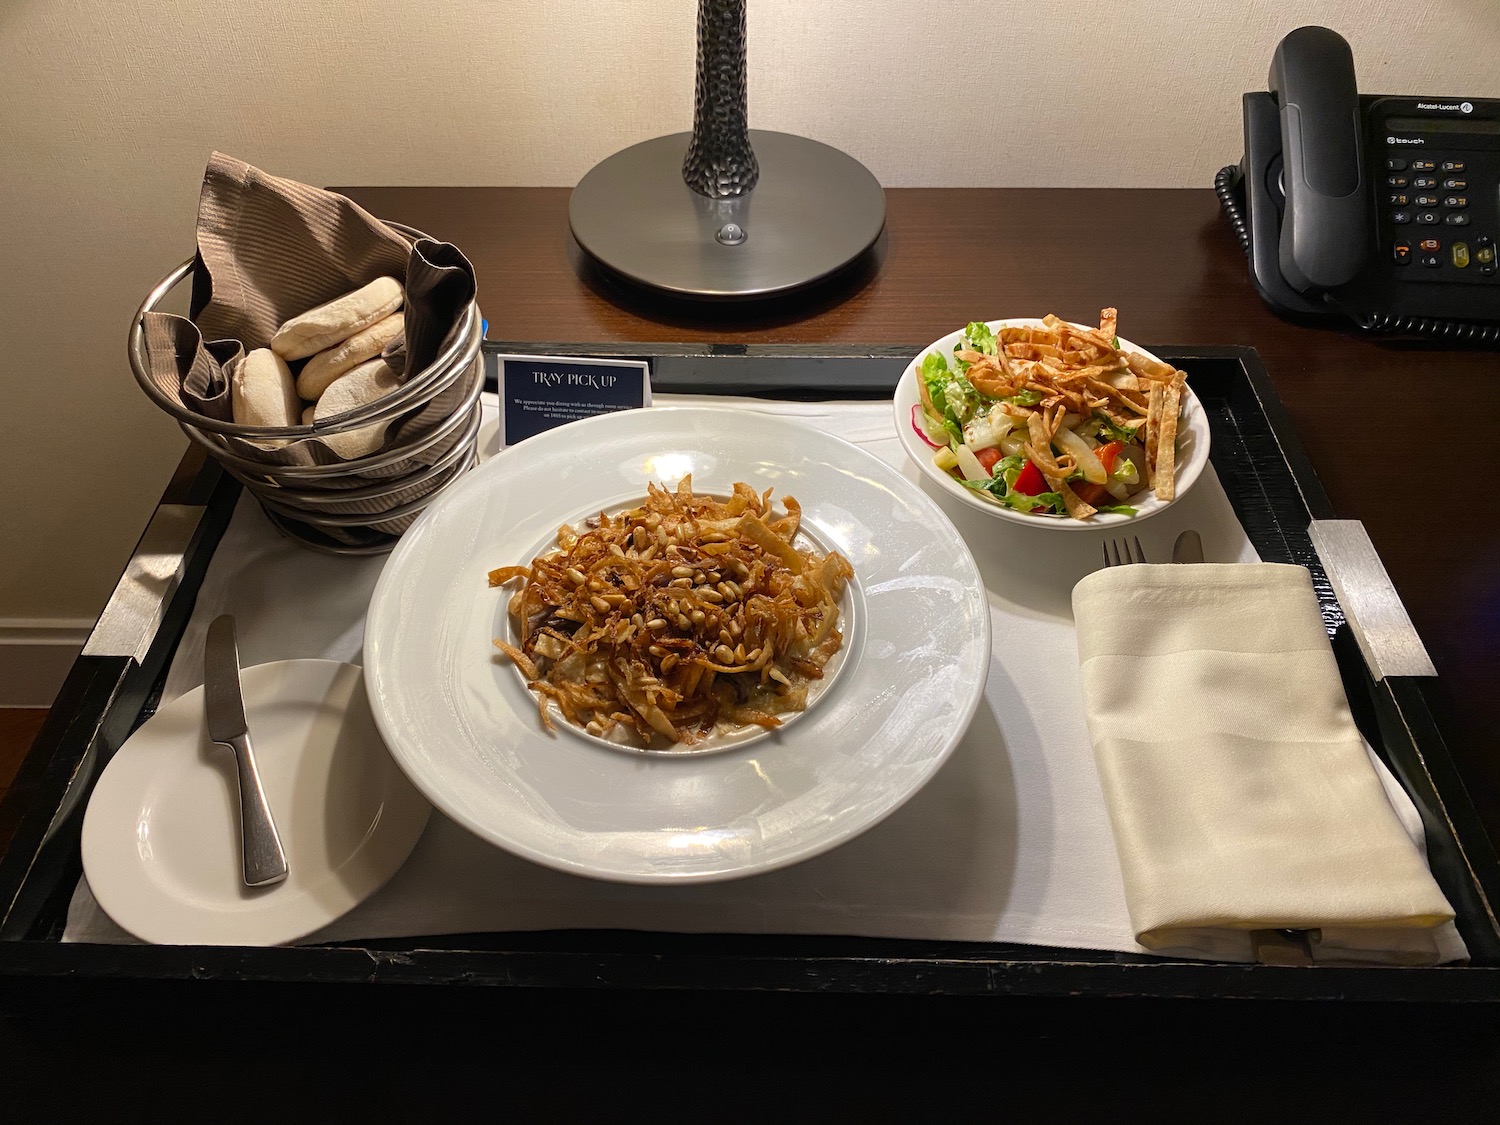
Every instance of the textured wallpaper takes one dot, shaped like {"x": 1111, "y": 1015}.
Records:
{"x": 110, "y": 110}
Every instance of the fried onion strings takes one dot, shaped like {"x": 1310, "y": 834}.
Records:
{"x": 676, "y": 619}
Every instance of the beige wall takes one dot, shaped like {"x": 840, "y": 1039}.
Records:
{"x": 108, "y": 111}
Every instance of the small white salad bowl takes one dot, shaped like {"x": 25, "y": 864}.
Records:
{"x": 1192, "y": 447}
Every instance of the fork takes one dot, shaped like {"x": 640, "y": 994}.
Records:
{"x": 1118, "y": 552}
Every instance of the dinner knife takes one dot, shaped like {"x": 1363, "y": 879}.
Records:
{"x": 1188, "y": 548}
{"x": 264, "y": 860}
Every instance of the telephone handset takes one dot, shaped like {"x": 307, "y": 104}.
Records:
{"x": 1379, "y": 208}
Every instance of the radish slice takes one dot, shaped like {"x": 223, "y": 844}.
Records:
{"x": 916, "y": 415}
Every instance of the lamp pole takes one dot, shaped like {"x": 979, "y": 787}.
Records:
{"x": 720, "y": 162}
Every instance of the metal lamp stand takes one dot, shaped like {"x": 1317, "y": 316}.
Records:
{"x": 726, "y": 212}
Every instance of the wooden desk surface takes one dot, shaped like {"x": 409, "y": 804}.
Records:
{"x": 1390, "y": 427}
{"x": 1169, "y": 262}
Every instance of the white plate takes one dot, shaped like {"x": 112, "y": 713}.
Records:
{"x": 1192, "y": 447}
{"x": 465, "y": 729}
{"x": 161, "y": 844}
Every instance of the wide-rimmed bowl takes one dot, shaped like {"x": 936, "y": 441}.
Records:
{"x": 464, "y": 727}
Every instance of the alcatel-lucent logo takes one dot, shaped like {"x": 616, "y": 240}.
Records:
{"x": 1461, "y": 107}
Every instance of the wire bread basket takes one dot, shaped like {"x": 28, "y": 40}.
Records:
{"x": 362, "y": 505}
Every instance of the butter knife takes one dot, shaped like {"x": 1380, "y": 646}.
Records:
{"x": 1188, "y": 548}
{"x": 264, "y": 861}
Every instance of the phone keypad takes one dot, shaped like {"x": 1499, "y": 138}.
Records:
{"x": 1437, "y": 194}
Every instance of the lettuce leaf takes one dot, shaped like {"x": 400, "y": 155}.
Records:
{"x": 1114, "y": 432}
{"x": 1002, "y": 483}
{"x": 935, "y": 374}
{"x": 979, "y": 337}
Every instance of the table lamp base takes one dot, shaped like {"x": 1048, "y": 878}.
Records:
{"x": 813, "y": 211}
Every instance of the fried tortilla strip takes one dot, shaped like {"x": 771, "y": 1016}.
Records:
{"x": 1089, "y": 336}
{"x": 1165, "y": 479}
{"x": 1077, "y": 507}
{"x": 1039, "y": 448}
{"x": 1132, "y": 400}
{"x": 1081, "y": 374}
{"x": 989, "y": 382}
{"x": 1033, "y": 351}
{"x": 1152, "y": 429}
{"x": 1109, "y": 322}
{"x": 1026, "y": 335}
{"x": 1148, "y": 368}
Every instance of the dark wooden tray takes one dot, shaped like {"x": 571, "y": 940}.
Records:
{"x": 1275, "y": 493}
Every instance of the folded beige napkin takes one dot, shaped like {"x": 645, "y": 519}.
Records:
{"x": 1240, "y": 793}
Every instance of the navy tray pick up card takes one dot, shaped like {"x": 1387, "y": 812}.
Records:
{"x": 540, "y": 392}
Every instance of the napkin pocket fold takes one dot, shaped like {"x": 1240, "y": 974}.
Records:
{"x": 1240, "y": 793}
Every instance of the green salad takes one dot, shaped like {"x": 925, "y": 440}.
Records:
{"x": 1052, "y": 420}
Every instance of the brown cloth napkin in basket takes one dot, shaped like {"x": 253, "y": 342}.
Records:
{"x": 270, "y": 248}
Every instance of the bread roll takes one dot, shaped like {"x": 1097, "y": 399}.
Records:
{"x": 327, "y": 366}
{"x": 365, "y": 383}
{"x": 307, "y": 414}
{"x": 262, "y": 393}
{"x": 339, "y": 319}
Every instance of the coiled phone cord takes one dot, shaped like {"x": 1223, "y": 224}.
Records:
{"x": 1227, "y": 188}
{"x": 1453, "y": 331}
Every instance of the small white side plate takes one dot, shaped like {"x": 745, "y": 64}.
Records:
{"x": 161, "y": 835}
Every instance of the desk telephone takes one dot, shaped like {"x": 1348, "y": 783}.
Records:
{"x": 1382, "y": 209}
